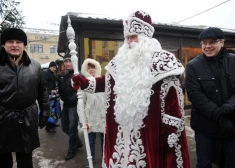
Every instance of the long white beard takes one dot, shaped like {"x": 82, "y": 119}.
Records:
{"x": 133, "y": 84}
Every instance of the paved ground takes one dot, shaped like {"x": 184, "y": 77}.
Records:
{"x": 54, "y": 147}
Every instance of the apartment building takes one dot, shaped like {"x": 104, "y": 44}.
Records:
{"x": 42, "y": 44}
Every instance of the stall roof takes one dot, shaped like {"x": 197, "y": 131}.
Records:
{"x": 111, "y": 17}
{"x": 97, "y": 22}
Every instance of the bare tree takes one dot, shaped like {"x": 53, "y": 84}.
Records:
{"x": 10, "y": 16}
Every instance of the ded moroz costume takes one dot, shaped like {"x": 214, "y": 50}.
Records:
{"x": 144, "y": 101}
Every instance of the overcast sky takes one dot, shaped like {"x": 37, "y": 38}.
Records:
{"x": 165, "y": 11}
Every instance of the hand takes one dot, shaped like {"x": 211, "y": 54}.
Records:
{"x": 227, "y": 128}
{"x": 53, "y": 92}
{"x": 79, "y": 82}
{"x": 226, "y": 110}
{"x": 42, "y": 122}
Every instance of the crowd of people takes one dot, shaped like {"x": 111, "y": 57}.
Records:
{"x": 137, "y": 107}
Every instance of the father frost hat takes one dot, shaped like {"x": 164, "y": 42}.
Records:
{"x": 138, "y": 23}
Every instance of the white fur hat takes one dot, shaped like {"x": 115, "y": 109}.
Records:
{"x": 85, "y": 65}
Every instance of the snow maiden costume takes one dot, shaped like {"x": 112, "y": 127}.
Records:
{"x": 144, "y": 101}
{"x": 94, "y": 108}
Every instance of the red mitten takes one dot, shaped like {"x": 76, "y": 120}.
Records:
{"x": 80, "y": 81}
{"x": 76, "y": 86}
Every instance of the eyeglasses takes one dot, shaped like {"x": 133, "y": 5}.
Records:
{"x": 211, "y": 42}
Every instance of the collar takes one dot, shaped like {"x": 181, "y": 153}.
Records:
{"x": 68, "y": 71}
{"x": 4, "y": 58}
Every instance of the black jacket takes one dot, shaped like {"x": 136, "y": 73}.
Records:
{"x": 50, "y": 80}
{"x": 210, "y": 83}
{"x": 67, "y": 93}
{"x": 20, "y": 87}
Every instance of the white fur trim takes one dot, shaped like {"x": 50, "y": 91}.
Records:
{"x": 85, "y": 65}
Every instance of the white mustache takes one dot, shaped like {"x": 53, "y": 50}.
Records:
{"x": 133, "y": 45}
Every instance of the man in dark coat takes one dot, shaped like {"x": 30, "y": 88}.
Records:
{"x": 21, "y": 84}
{"x": 50, "y": 78}
{"x": 69, "y": 115}
{"x": 210, "y": 84}
{"x": 50, "y": 81}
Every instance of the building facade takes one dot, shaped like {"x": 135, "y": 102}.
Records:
{"x": 42, "y": 44}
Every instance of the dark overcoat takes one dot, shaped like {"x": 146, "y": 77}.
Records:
{"x": 20, "y": 87}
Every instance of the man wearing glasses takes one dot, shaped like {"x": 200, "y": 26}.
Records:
{"x": 210, "y": 84}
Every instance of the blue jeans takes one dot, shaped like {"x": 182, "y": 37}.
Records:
{"x": 69, "y": 122}
{"x": 92, "y": 137}
{"x": 205, "y": 147}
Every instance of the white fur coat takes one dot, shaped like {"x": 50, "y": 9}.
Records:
{"x": 94, "y": 102}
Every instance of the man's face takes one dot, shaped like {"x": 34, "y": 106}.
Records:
{"x": 91, "y": 70}
{"x": 211, "y": 47}
{"x": 133, "y": 38}
{"x": 68, "y": 64}
{"x": 53, "y": 69}
{"x": 14, "y": 48}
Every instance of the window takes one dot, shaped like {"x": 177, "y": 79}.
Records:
{"x": 36, "y": 48}
{"x": 101, "y": 50}
{"x": 53, "y": 49}
{"x": 188, "y": 54}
